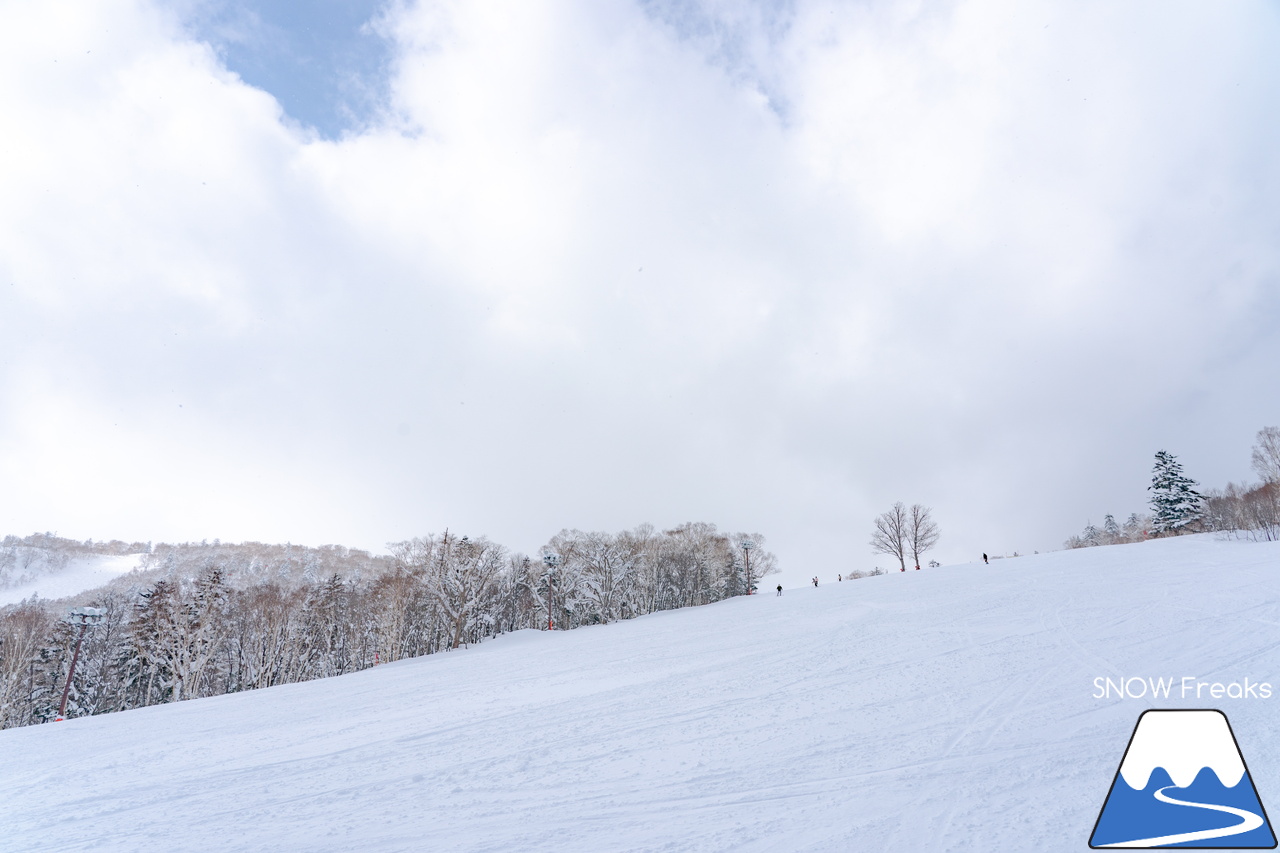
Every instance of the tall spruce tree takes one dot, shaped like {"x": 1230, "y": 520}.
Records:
{"x": 1175, "y": 503}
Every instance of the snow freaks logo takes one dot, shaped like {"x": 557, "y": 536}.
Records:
{"x": 1186, "y": 687}
{"x": 1183, "y": 783}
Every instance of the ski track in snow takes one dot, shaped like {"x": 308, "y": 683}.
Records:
{"x": 947, "y": 709}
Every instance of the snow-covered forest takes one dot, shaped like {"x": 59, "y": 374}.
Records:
{"x": 206, "y": 619}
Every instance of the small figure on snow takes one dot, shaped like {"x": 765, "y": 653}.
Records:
{"x": 839, "y": 578}
{"x": 779, "y": 589}
{"x": 985, "y": 560}
{"x": 815, "y": 580}
{"x": 917, "y": 567}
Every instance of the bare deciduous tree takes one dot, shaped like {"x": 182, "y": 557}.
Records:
{"x": 460, "y": 580}
{"x": 1266, "y": 454}
{"x": 922, "y": 531}
{"x": 1261, "y": 511}
{"x": 890, "y": 535}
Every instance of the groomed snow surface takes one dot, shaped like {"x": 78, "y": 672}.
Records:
{"x": 945, "y": 709}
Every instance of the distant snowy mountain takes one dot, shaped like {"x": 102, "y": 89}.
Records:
{"x": 54, "y": 568}
{"x": 948, "y": 709}
{"x": 70, "y": 577}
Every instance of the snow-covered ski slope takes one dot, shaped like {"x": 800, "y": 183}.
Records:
{"x": 81, "y": 574}
{"x": 946, "y": 709}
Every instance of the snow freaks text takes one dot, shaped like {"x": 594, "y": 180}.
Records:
{"x": 1186, "y": 687}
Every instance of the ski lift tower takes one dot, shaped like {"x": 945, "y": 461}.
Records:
{"x": 747, "y": 546}
{"x": 87, "y": 617}
{"x": 552, "y": 559}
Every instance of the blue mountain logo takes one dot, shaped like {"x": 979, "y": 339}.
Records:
{"x": 1183, "y": 783}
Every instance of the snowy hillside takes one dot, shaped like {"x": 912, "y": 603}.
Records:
{"x": 946, "y": 709}
{"x": 76, "y": 575}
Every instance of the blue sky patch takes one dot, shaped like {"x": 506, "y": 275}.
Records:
{"x": 320, "y": 59}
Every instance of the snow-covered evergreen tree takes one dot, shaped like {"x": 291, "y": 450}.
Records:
{"x": 1174, "y": 500}
{"x": 1092, "y": 536}
{"x": 1133, "y": 527}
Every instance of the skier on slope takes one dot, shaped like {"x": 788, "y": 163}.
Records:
{"x": 779, "y": 589}
{"x": 985, "y": 560}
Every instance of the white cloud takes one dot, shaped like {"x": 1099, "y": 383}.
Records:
{"x": 610, "y": 263}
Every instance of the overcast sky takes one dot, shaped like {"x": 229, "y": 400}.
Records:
{"x": 368, "y": 271}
